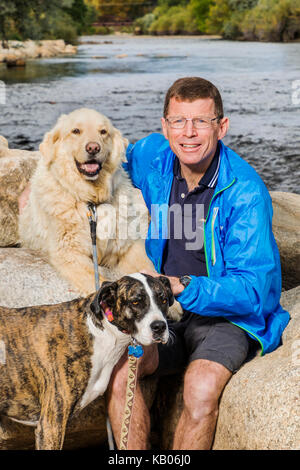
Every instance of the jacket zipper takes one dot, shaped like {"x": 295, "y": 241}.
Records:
{"x": 213, "y": 256}
{"x": 213, "y": 246}
{"x": 213, "y": 240}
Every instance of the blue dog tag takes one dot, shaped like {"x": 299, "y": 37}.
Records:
{"x": 136, "y": 351}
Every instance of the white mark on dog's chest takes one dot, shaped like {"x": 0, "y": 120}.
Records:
{"x": 107, "y": 351}
{"x": 2, "y": 352}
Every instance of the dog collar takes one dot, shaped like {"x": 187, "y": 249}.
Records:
{"x": 110, "y": 317}
{"x": 134, "y": 349}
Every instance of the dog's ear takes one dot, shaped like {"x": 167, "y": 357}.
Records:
{"x": 107, "y": 294}
{"x": 47, "y": 148}
{"x": 167, "y": 284}
{"x": 119, "y": 146}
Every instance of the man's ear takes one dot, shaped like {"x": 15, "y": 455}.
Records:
{"x": 47, "y": 146}
{"x": 164, "y": 127}
{"x": 167, "y": 285}
{"x": 223, "y": 128}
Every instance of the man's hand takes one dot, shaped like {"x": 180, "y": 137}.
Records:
{"x": 176, "y": 285}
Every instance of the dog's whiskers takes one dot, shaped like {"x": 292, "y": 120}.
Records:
{"x": 172, "y": 337}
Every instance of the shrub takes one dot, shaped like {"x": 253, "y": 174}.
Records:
{"x": 175, "y": 20}
{"x": 272, "y": 20}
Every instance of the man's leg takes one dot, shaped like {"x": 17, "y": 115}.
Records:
{"x": 116, "y": 395}
{"x": 204, "y": 382}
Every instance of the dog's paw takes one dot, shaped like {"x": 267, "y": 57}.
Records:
{"x": 175, "y": 311}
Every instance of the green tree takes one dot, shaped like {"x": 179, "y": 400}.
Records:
{"x": 219, "y": 13}
{"x": 121, "y": 9}
{"x": 38, "y": 19}
{"x": 200, "y": 9}
{"x": 7, "y": 9}
{"x": 242, "y": 5}
{"x": 272, "y": 20}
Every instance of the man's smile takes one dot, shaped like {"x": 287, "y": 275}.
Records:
{"x": 190, "y": 146}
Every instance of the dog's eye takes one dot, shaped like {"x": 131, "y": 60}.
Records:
{"x": 103, "y": 131}
{"x": 135, "y": 302}
{"x": 164, "y": 301}
{"x": 76, "y": 131}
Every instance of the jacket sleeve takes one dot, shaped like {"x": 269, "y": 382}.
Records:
{"x": 252, "y": 274}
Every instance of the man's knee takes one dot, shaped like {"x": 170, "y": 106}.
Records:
{"x": 203, "y": 385}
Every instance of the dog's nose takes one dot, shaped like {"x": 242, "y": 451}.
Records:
{"x": 158, "y": 327}
{"x": 92, "y": 148}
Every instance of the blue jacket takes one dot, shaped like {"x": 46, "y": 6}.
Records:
{"x": 242, "y": 258}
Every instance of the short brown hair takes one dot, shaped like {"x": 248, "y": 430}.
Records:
{"x": 191, "y": 89}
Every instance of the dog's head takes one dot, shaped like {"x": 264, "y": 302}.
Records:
{"x": 82, "y": 146}
{"x": 139, "y": 305}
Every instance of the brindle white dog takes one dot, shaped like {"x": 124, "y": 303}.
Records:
{"x": 56, "y": 359}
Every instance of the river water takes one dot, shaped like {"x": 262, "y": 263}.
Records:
{"x": 126, "y": 78}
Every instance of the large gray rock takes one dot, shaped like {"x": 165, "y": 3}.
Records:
{"x": 16, "y": 168}
{"x": 26, "y": 279}
{"x": 260, "y": 406}
{"x": 286, "y": 228}
{"x": 35, "y": 49}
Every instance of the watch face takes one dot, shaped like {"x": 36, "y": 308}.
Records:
{"x": 185, "y": 280}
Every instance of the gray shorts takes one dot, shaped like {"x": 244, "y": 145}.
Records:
{"x": 198, "y": 337}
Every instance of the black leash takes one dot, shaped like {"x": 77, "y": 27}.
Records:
{"x": 92, "y": 216}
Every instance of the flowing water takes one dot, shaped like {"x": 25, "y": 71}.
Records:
{"x": 126, "y": 78}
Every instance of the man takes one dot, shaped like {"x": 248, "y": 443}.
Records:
{"x": 229, "y": 286}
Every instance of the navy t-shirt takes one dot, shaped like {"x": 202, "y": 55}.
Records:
{"x": 184, "y": 250}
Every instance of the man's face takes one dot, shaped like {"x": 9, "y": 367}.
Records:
{"x": 194, "y": 146}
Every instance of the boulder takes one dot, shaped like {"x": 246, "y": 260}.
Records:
{"x": 286, "y": 228}
{"x": 259, "y": 408}
{"x": 16, "y": 168}
{"x": 27, "y": 279}
{"x": 18, "y": 51}
{"x": 15, "y": 61}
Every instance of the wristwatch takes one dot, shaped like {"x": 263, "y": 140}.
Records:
{"x": 185, "y": 280}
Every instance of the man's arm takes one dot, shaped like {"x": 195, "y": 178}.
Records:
{"x": 252, "y": 269}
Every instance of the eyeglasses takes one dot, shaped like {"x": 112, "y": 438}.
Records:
{"x": 198, "y": 122}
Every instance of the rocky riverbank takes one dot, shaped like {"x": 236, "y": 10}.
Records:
{"x": 18, "y": 52}
{"x": 260, "y": 406}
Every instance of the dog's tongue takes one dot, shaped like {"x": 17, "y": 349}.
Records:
{"x": 90, "y": 167}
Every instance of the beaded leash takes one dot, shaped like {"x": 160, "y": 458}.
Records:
{"x": 134, "y": 352}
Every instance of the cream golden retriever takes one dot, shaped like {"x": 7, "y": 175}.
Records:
{"x": 81, "y": 163}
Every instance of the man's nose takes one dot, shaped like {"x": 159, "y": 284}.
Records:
{"x": 189, "y": 129}
{"x": 92, "y": 148}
